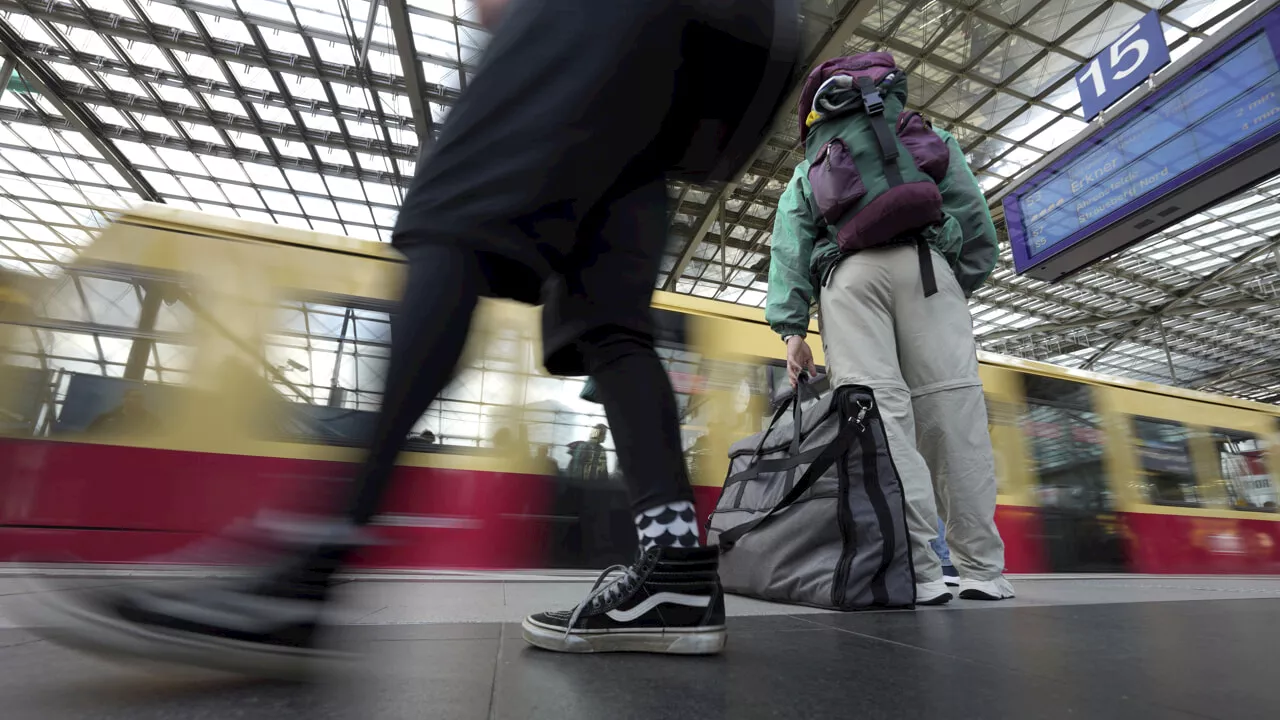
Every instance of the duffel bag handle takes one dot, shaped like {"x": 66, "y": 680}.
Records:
{"x": 792, "y": 402}
{"x": 836, "y": 450}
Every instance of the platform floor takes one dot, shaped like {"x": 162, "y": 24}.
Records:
{"x": 1115, "y": 647}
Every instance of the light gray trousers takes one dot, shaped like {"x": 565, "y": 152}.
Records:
{"x": 919, "y": 357}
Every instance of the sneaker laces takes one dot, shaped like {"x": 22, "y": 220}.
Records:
{"x": 621, "y": 586}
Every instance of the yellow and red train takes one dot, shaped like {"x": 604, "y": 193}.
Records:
{"x": 191, "y": 369}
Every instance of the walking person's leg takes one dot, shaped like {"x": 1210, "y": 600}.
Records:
{"x": 598, "y": 321}
{"x": 572, "y": 96}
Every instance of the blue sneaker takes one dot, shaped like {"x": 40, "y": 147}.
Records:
{"x": 951, "y": 576}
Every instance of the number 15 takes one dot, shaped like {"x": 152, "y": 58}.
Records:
{"x": 1119, "y": 50}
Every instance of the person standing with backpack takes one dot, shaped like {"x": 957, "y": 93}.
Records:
{"x": 885, "y": 225}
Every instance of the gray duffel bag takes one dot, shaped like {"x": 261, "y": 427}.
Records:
{"x": 816, "y": 517}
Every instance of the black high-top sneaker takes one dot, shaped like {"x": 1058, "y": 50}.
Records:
{"x": 669, "y": 601}
{"x": 268, "y": 623}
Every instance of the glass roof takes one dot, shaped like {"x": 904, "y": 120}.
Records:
{"x": 300, "y": 112}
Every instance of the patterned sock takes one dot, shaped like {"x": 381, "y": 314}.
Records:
{"x": 671, "y": 525}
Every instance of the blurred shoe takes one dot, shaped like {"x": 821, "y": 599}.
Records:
{"x": 950, "y": 576}
{"x": 997, "y": 589}
{"x": 268, "y": 624}
{"x": 932, "y": 593}
{"x": 668, "y": 601}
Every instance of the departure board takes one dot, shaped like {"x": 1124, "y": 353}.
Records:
{"x": 1208, "y": 116}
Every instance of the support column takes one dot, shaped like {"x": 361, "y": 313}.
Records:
{"x": 1168, "y": 356}
{"x": 140, "y": 352}
{"x": 6, "y": 72}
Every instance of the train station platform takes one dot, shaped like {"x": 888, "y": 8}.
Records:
{"x": 447, "y": 647}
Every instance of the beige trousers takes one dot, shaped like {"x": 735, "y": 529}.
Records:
{"x": 919, "y": 357}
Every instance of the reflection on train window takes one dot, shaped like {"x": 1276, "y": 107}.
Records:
{"x": 1067, "y": 444}
{"x": 97, "y": 347}
{"x": 329, "y": 362}
{"x": 1164, "y": 458}
{"x": 999, "y": 412}
{"x": 1246, "y": 483}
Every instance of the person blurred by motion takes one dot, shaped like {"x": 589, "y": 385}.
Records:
{"x": 548, "y": 186}
{"x": 886, "y": 227}
{"x": 588, "y": 460}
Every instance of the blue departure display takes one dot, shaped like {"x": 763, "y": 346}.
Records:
{"x": 1230, "y": 101}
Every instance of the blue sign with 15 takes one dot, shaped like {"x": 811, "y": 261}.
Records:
{"x": 1123, "y": 66}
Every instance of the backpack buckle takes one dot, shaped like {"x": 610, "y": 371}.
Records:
{"x": 874, "y": 103}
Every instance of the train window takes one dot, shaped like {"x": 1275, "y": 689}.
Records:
{"x": 329, "y": 361}
{"x": 1067, "y": 445}
{"x": 1246, "y": 483}
{"x": 1164, "y": 455}
{"x": 93, "y": 347}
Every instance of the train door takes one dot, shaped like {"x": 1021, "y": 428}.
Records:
{"x": 1063, "y": 427}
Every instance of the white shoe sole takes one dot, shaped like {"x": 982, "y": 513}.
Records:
{"x": 692, "y": 641}
{"x": 989, "y": 591}
{"x": 56, "y": 617}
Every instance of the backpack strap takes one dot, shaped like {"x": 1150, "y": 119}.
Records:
{"x": 874, "y": 105}
{"x": 927, "y": 277}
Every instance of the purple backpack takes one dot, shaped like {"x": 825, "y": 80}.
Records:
{"x": 874, "y": 167}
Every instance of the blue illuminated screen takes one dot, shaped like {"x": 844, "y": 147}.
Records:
{"x": 1226, "y": 103}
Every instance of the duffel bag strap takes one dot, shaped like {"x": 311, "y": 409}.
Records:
{"x": 828, "y": 457}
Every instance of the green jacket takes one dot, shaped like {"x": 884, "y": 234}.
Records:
{"x": 804, "y": 251}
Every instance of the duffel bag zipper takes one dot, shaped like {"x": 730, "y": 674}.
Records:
{"x": 848, "y": 538}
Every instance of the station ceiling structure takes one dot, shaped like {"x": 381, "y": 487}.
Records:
{"x": 309, "y": 113}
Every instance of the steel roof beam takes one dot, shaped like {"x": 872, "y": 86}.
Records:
{"x": 1241, "y": 372}
{"x": 6, "y": 73}
{"x": 1209, "y": 281}
{"x": 1095, "y": 321}
{"x": 370, "y": 22}
{"x": 415, "y": 81}
{"x": 111, "y": 66}
{"x": 200, "y": 147}
{"x": 76, "y": 117}
{"x": 230, "y": 122}
{"x": 219, "y": 49}
{"x": 271, "y": 23}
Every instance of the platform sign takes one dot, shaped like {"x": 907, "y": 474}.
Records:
{"x": 1212, "y": 130}
{"x": 1123, "y": 66}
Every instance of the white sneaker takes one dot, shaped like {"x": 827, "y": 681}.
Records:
{"x": 998, "y": 589}
{"x": 933, "y": 593}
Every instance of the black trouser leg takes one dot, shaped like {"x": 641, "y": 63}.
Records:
{"x": 641, "y": 407}
{"x": 428, "y": 334}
